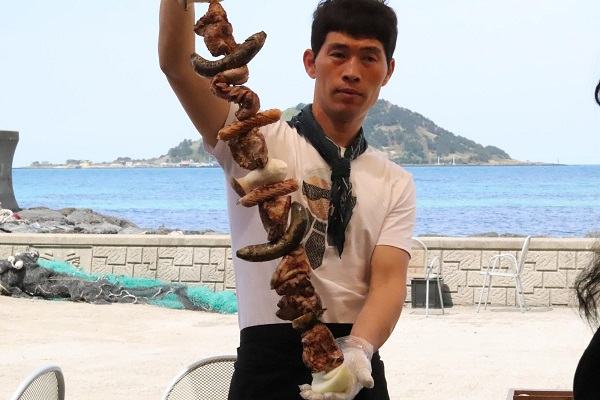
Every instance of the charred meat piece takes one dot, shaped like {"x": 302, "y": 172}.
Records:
{"x": 236, "y": 76}
{"x": 296, "y": 305}
{"x": 274, "y": 216}
{"x": 239, "y": 57}
{"x": 291, "y": 265}
{"x": 320, "y": 350}
{"x": 299, "y": 284}
{"x": 216, "y": 30}
{"x": 269, "y": 192}
{"x": 249, "y": 150}
{"x": 291, "y": 238}
{"x": 260, "y": 119}
{"x": 243, "y": 96}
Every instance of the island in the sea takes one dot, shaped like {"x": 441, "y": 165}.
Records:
{"x": 406, "y": 137}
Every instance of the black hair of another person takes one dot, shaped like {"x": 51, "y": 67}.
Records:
{"x": 587, "y": 283}
{"x": 587, "y": 289}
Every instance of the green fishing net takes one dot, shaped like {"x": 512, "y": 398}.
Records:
{"x": 25, "y": 275}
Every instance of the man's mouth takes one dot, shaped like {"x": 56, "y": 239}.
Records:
{"x": 348, "y": 91}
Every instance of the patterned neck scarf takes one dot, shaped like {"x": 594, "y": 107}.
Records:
{"x": 341, "y": 202}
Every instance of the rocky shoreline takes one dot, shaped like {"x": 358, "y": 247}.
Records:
{"x": 80, "y": 221}
{"x": 87, "y": 221}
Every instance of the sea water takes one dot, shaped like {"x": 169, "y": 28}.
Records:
{"x": 560, "y": 201}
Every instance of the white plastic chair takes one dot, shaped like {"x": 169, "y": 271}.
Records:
{"x": 432, "y": 272}
{"x": 514, "y": 271}
{"x": 45, "y": 383}
{"x": 206, "y": 379}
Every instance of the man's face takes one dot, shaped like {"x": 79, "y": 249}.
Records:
{"x": 349, "y": 74}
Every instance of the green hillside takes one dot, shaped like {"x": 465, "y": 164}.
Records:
{"x": 405, "y": 136}
{"x": 409, "y": 138}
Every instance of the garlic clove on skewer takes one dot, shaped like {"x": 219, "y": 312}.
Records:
{"x": 275, "y": 170}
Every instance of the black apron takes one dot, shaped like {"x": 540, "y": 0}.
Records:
{"x": 269, "y": 365}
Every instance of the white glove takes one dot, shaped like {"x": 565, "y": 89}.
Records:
{"x": 357, "y": 358}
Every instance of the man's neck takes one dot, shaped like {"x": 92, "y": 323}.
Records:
{"x": 341, "y": 132}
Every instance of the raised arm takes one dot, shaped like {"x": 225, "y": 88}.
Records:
{"x": 176, "y": 44}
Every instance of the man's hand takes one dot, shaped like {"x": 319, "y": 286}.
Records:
{"x": 357, "y": 358}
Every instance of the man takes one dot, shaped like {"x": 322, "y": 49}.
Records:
{"x": 358, "y": 247}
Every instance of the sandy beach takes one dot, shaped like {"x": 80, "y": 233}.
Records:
{"x": 132, "y": 352}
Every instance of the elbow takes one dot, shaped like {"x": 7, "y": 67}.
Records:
{"x": 164, "y": 64}
{"x": 174, "y": 68}
{"x": 168, "y": 67}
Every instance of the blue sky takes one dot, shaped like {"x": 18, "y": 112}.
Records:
{"x": 81, "y": 79}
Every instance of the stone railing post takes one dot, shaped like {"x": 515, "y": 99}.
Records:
{"x": 8, "y": 144}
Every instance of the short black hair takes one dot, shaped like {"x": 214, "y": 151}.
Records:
{"x": 357, "y": 18}
{"x": 597, "y": 93}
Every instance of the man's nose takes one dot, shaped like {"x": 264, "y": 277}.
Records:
{"x": 352, "y": 69}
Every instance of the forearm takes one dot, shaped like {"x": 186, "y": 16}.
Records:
{"x": 381, "y": 312}
{"x": 387, "y": 292}
{"x": 176, "y": 44}
{"x": 176, "y": 41}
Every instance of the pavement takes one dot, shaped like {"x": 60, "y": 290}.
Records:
{"x": 133, "y": 352}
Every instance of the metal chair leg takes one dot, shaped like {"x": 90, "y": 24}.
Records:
{"x": 520, "y": 294}
{"x": 487, "y": 297}
{"x": 426, "y": 298}
{"x": 481, "y": 294}
{"x": 523, "y": 294}
{"x": 439, "y": 285}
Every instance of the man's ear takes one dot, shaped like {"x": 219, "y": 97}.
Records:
{"x": 390, "y": 72}
{"x": 309, "y": 62}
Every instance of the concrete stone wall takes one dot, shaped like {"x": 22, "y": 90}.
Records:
{"x": 550, "y": 268}
{"x": 193, "y": 260}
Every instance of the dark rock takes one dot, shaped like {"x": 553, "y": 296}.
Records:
{"x": 43, "y": 214}
{"x": 497, "y": 235}
{"x": 485, "y": 234}
{"x": 67, "y": 220}
{"x": 513, "y": 235}
{"x": 202, "y": 232}
{"x": 84, "y": 221}
{"x": 19, "y": 228}
{"x": 102, "y": 228}
{"x": 133, "y": 230}
{"x": 83, "y": 216}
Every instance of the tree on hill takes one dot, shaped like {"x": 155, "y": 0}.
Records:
{"x": 188, "y": 150}
{"x": 182, "y": 151}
